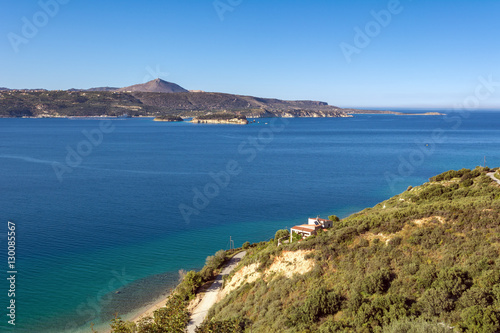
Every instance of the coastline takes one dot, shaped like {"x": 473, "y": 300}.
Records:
{"x": 148, "y": 310}
{"x": 205, "y": 297}
{"x": 140, "y": 313}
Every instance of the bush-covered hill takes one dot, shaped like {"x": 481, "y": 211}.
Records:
{"x": 426, "y": 260}
{"x": 69, "y": 103}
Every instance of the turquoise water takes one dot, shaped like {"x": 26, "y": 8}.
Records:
{"x": 110, "y": 220}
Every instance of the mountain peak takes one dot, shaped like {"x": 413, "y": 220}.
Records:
{"x": 156, "y": 85}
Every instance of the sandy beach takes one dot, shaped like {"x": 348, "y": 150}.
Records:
{"x": 149, "y": 310}
{"x": 199, "y": 306}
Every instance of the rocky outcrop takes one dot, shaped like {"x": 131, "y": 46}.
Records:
{"x": 168, "y": 119}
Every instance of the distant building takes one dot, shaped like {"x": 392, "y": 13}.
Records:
{"x": 305, "y": 230}
{"x": 311, "y": 228}
{"x": 325, "y": 224}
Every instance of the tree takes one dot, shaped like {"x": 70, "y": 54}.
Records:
{"x": 174, "y": 316}
{"x": 333, "y": 218}
{"x": 283, "y": 233}
{"x": 235, "y": 325}
{"x": 120, "y": 326}
{"x": 192, "y": 280}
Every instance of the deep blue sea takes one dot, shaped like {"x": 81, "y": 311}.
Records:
{"x": 108, "y": 212}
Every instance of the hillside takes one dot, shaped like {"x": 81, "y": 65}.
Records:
{"x": 426, "y": 260}
{"x": 157, "y": 85}
{"x": 23, "y": 103}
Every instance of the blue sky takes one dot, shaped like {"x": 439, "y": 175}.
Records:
{"x": 427, "y": 54}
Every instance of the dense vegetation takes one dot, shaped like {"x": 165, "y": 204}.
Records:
{"x": 426, "y": 260}
{"x": 169, "y": 118}
{"x": 67, "y": 103}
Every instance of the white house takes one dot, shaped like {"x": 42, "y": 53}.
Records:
{"x": 305, "y": 230}
{"x": 325, "y": 224}
{"x": 311, "y": 228}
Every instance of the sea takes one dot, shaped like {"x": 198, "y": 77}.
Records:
{"x": 107, "y": 212}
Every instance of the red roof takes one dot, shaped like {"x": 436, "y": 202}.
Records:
{"x": 300, "y": 228}
{"x": 307, "y": 227}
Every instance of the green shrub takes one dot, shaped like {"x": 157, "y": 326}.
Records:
{"x": 467, "y": 183}
{"x": 395, "y": 241}
{"x": 283, "y": 233}
{"x": 333, "y": 218}
{"x": 418, "y": 325}
{"x": 473, "y": 297}
{"x": 120, "y": 326}
{"x": 377, "y": 282}
{"x": 489, "y": 278}
{"x": 174, "y": 317}
{"x": 434, "y": 302}
{"x": 453, "y": 281}
{"x": 192, "y": 280}
{"x": 332, "y": 326}
{"x": 478, "y": 319}
{"x": 212, "y": 263}
{"x": 318, "y": 303}
{"x": 236, "y": 325}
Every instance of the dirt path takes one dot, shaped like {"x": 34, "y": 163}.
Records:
{"x": 210, "y": 297}
{"x": 492, "y": 176}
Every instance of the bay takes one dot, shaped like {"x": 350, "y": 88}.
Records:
{"x": 129, "y": 215}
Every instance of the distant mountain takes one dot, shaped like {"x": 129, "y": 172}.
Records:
{"x": 103, "y": 89}
{"x": 157, "y": 85}
{"x": 155, "y": 98}
{"x": 184, "y": 104}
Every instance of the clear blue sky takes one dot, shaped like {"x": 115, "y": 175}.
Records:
{"x": 431, "y": 53}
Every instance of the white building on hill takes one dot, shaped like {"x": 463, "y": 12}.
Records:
{"x": 311, "y": 228}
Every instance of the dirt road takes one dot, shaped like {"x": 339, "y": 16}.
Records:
{"x": 200, "y": 312}
{"x": 492, "y": 176}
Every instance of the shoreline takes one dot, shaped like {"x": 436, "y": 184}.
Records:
{"x": 148, "y": 310}
{"x": 140, "y": 313}
{"x": 204, "y": 297}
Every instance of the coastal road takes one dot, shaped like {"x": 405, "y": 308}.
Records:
{"x": 492, "y": 176}
{"x": 200, "y": 312}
